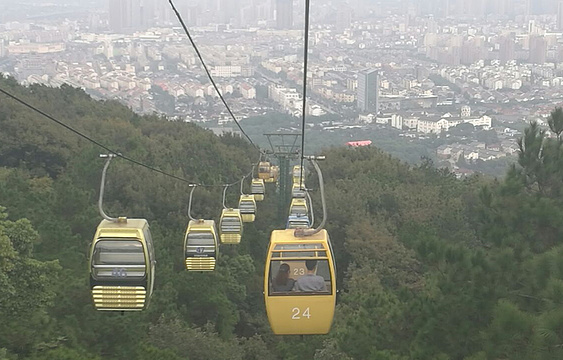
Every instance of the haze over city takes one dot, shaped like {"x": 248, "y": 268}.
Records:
{"x": 474, "y": 72}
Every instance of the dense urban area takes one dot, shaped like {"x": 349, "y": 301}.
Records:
{"x": 458, "y": 79}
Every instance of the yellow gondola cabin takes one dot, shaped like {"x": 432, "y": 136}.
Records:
{"x": 258, "y": 189}
{"x": 122, "y": 265}
{"x": 263, "y": 170}
{"x": 297, "y": 191}
{"x": 230, "y": 226}
{"x": 247, "y": 206}
{"x": 300, "y": 283}
{"x": 297, "y": 174}
{"x": 298, "y": 207}
{"x": 274, "y": 174}
{"x": 201, "y": 247}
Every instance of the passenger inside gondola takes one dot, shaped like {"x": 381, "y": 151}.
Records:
{"x": 312, "y": 275}
{"x": 310, "y": 281}
{"x": 283, "y": 282}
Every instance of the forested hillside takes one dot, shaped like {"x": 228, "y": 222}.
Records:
{"x": 429, "y": 267}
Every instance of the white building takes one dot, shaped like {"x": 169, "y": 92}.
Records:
{"x": 125, "y": 83}
{"x": 195, "y": 90}
{"x": 316, "y": 110}
{"x": 286, "y": 97}
{"x": 91, "y": 83}
{"x": 227, "y": 89}
{"x": 176, "y": 90}
{"x": 437, "y": 125}
{"x": 226, "y": 71}
{"x": 107, "y": 82}
{"x": 397, "y": 121}
{"x": 3, "y": 50}
{"x": 410, "y": 123}
{"x": 145, "y": 84}
{"x": 248, "y": 91}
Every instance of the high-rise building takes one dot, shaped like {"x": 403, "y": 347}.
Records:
{"x": 438, "y": 8}
{"x": 368, "y": 91}
{"x": 344, "y": 18}
{"x": 446, "y": 9}
{"x": 506, "y": 49}
{"x": 3, "y": 51}
{"x": 228, "y": 11}
{"x": 476, "y": 8}
{"x": 538, "y": 49}
{"x": 284, "y": 14}
{"x": 501, "y": 7}
{"x": 540, "y": 7}
{"x": 116, "y": 17}
{"x": 560, "y": 15}
{"x": 454, "y": 57}
{"x": 128, "y": 15}
{"x": 469, "y": 53}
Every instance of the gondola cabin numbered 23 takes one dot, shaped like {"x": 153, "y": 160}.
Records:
{"x": 299, "y": 283}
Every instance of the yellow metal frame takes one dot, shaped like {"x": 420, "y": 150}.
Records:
{"x": 285, "y": 312}
{"x": 114, "y": 295}
{"x": 230, "y": 237}
{"x": 201, "y": 263}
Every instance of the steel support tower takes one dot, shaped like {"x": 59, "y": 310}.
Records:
{"x": 284, "y": 147}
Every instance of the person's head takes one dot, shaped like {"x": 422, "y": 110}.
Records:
{"x": 283, "y": 274}
{"x": 311, "y": 264}
{"x": 284, "y": 268}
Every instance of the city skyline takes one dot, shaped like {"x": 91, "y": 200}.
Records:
{"x": 496, "y": 58}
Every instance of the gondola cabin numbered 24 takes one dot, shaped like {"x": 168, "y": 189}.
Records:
{"x": 300, "y": 283}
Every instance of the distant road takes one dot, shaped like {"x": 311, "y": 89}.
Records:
{"x": 267, "y": 77}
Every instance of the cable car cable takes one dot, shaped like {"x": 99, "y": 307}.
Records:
{"x": 109, "y": 150}
{"x": 305, "y": 58}
{"x": 116, "y": 153}
{"x": 209, "y": 74}
{"x": 55, "y": 120}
